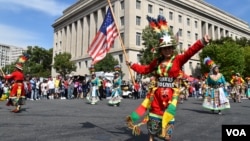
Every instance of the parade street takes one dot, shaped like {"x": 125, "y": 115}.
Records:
{"x": 75, "y": 120}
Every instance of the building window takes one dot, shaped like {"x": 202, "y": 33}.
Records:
{"x": 122, "y": 36}
{"x": 138, "y": 4}
{"x": 138, "y": 20}
{"x": 180, "y": 19}
{"x": 161, "y": 11}
{"x": 180, "y": 32}
{"x": 138, "y": 38}
{"x": 150, "y": 8}
{"x": 171, "y": 29}
{"x": 181, "y": 47}
{"x": 196, "y": 36}
{"x": 122, "y": 4}
{"x": 113, "y": 7}
{"x": 79, "y": 64}
{"x": 189, "y": 45}
{"x": 170, "y": 15}
{"x": 189, "y": 34}
{"x": 195, "y": 24}
{"x": 190, "y": 65}
{"x": 86, "y": 64}
{"x": 139, "y": 57}
{"x": 122, "y": 20}
{"x": 121, "y": 58}
{"x": 188, "y": 21}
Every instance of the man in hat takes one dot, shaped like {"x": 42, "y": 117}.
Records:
{"x": 162, "y": 102}
{"x": 17, "y": 94}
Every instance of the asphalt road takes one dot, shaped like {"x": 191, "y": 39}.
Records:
{"x": 74, "y": 120}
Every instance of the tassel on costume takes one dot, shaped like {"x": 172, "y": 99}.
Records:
{"x": 169, "y": 112}
{"x": 138, "y": 113}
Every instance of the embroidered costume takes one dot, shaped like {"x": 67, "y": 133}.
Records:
{"x": 93, "y": 95}
{"x": 115, "y": 99}
{"x": 237, "y": 83}
{"x": 247, "y": 87}
{"x": 161, "y": 100}
{"x": 216, "y": 96}
{"x": 17, "y": 93}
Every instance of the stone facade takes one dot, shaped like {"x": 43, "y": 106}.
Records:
{"x": 76, "y": 28}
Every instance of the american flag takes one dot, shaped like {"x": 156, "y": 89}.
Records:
{"x": 104, "y": 38}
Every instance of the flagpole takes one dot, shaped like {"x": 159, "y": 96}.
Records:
{"x": 124, "y": 51}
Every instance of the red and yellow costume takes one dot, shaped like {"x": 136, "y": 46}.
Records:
{"x": 17, "y": 88}
{"x": 237, "y": 83}
{"x": 17, "y": 93}
{"x": 162, "y": 100}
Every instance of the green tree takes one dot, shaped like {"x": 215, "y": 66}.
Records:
{"x": 107, "y": 64}
{"x": 38, "y": 64}
{"x": 227, "y": 54}
{"x": 151, "y": 41}
{"x": 63, "y": 65}
{"x": 247, "y": 61}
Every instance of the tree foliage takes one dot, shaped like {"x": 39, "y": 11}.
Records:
{"x": 107, "y": 64}
{"x": 63, "y": 65}
{"x": 151, "y": 41}
{"x": 227, "y": 54}
{"x": 38, "y": 64}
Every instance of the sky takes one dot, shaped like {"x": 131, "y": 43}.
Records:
{"x": 29, "y": 22}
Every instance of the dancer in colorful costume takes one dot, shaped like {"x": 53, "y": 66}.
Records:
{"x": 6, "y": 91}
{"x": 93, "y": 95}
{"x": 237, "y": 81}
{"x": 248, "y": 87}
{"x": 161, "y": 101}
{"x": 216, "y": 96}
{"x": 182, "y": 84}
{"x": 17, "y": 94}
{"x": 115, "y": 99}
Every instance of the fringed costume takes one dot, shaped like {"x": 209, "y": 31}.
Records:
{"x": 17, "y": 93}
{"x": 216, "y": 96}
{"x": 237, "y": 84}
{"x": 248, "y": 87}
{"x": 93, "y": 95}
{"x": 159, "y": 106}
{"x": 115, "y": 99}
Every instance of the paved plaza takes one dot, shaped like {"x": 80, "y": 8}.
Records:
{"x": 74, "y": 120}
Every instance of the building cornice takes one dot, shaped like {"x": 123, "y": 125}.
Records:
{"x": 192, "y": 8}
{"x": 223, "y": 12}
{"x": 78, "y": 7}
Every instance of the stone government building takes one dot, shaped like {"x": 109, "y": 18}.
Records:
{"x": 77, "y": 27}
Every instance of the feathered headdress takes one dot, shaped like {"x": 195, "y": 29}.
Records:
{"x": 160, "y": 26}
{"x": 209, "y": 62}
{"x": 21, "y": 60}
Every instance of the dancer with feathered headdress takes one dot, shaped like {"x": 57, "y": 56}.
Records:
{"x": 159, "y": 106}
{"x": 17, "y": 94}
{"x": 216, "y": 96}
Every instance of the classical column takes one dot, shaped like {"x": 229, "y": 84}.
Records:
{"x": 79, "y": 43}
{"x": 92, "y": 28}
{"x": 64, "y": 39}
{"x": 73, "y": 40}
{"x": 85, "y": 35}
{"x": 68, "y": 39}
{"x": 99, "y": 18}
